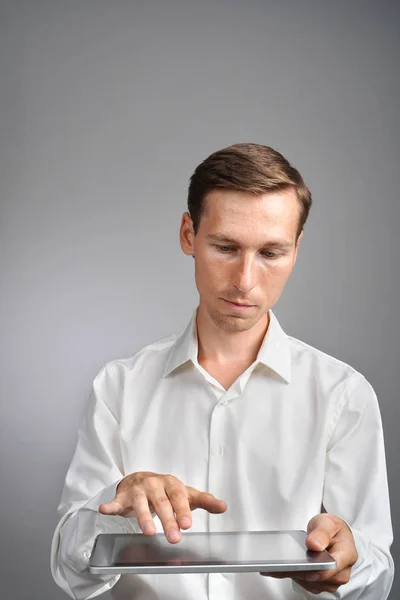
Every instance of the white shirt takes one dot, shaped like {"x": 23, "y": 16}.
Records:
{"x": 299, "y": 432}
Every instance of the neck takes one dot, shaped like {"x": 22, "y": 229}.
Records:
{"x": 226, "y": 347}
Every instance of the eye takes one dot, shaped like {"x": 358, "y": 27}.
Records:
{"x": 269, "y": 254}
{"x": 224, "y": 248}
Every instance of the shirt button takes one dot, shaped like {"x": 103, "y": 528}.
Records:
{"x": 217, "y": 450}
{"x": 223, "y": 402}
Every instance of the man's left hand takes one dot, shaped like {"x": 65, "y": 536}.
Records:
{"x": 326, "y": 532}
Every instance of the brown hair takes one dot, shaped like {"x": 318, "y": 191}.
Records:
{"x": 250, "y": 168}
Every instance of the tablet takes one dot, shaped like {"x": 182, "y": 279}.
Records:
{"x": 262, "y": 551}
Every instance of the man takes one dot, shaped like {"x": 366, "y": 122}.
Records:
{"x": 254, "y": 428}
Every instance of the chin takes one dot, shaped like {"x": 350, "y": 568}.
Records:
{"x": 231, "y": 323}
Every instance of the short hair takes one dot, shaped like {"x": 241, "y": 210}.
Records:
{"x": 250, "y": 168}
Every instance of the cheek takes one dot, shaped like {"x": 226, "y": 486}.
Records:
{"x": 281, "y": 277}
{"x": 210, "y": 274}
{"x": 276, "y": 275}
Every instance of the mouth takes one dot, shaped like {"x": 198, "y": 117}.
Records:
{"x": 238, "y": 305}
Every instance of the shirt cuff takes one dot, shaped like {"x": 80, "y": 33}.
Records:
{"x": 362, "y": 546}
{"x": 89, "y": 523}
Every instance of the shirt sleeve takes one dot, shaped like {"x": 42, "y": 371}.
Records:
{"x": 95, "y": 471}
{"x": 356, "y": 489}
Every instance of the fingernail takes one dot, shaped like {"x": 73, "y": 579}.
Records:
{"x": 315, "y": 539}
{"x": 148, "y": 527}
{"x": 185, "y": 522}
{"x": 313, "y": 577}
{"x": 173, "y": 535}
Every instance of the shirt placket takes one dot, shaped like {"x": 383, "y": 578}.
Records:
{"x": 219, "y": 585}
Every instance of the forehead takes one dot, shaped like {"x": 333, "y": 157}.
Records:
{"x": 246, "y": 217}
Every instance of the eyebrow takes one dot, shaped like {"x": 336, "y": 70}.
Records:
{"x": 281, "y": 244}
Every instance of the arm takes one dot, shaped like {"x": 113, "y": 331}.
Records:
{"x": 98, "y": 498}
{"x": 356, "y": 526}
{"x": 356, "y": 490}
{"x": 93, "y": 475}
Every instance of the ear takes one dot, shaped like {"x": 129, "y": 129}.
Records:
{"x": 186, "y": 235}
{"x": 298, "y": 239}
{"x": 297, "y": 246}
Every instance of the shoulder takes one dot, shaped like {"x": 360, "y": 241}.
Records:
{"x": 328, "y": 373}
{"x": 309, "y": 354}
{"x": 335, "y": 385}
{"x": 152, "y": 356}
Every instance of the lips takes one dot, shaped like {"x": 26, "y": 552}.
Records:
{"x": 239, "y": 303}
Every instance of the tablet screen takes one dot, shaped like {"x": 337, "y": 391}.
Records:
{"x": 198, "y": 548}
{"x": 206, "y": 552}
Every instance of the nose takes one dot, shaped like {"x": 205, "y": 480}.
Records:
{"x": 245, "y": 274}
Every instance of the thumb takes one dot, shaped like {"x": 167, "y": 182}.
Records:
{"x": 321, "y": 530}
{"x": 206, "y": 501}
{"x": 111, "y": 508}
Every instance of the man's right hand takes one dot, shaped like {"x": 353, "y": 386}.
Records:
{"x": 140, "y": 494}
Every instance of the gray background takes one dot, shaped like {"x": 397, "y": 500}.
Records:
{"x": 106, "y": 109}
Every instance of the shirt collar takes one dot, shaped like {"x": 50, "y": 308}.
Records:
{"x": 184, "y": 349}
{"x": 274, "y": 352}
